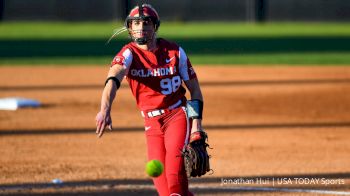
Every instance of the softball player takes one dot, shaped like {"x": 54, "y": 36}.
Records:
{"x": 155, "y": 69}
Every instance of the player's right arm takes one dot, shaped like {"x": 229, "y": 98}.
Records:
{"x": 103, "y": 118}
{"x": 119, "y": 68}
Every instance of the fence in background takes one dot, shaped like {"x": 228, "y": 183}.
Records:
{"x": 179, "y": 10}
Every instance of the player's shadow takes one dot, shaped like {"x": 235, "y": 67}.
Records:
{"x": 75, "y": 87}
{"x": 231, "y": 127}
{"x": 205, "y": 186}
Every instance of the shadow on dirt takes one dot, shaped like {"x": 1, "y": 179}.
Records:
{"x": 204, "y": 84}
{"x": 232, "y": 127}
{"x": 205, "y": 186}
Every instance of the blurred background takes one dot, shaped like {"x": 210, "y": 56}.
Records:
{"x": 238, "y": 32}
{"x": 182, "y": 10}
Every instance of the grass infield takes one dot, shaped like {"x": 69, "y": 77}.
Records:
{"x": 205, "y": 43}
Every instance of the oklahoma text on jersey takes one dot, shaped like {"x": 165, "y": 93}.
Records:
{"x": 163, "y": 71}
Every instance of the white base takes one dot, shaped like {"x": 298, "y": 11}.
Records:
{"x": 13, "y": 103}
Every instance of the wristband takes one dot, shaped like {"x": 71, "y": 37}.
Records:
{"x": 117, "y": 82}
{"x": 195, "y": 108}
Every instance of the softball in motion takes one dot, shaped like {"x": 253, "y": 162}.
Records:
{"x": 154, "y": 168}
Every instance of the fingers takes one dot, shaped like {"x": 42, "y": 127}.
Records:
{"x": 101, "y": 130}
{"x": 103, "y": 127}
{"x": 98, "y": 127}
{"x": 102, "y": 123}
{"x": 98, "y": 120}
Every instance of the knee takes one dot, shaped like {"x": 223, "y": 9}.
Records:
{"x": 178, "y": 184}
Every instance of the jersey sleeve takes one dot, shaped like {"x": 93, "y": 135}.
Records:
{"x": 185, "y": 68}
{"x": 123, "y": 58}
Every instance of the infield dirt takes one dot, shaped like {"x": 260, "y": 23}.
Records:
{"x": 262, "y": 122}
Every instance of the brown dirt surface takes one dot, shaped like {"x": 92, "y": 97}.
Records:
{"x": 264, "y": 123}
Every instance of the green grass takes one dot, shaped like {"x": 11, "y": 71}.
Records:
{"x": 54, "y": 30}
{"x": 203, "y": 30}
{"x": 77, "y": 60}
{"x": 57, "y": 30}
{"x": 205, "y": 43}
{"x": 275, "y": 59}
{"x": 293, "y": 59}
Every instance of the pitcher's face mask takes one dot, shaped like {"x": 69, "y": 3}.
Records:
{"x": 142, "y": 24}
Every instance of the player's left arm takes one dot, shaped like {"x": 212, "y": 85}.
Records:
{"x": 196, "y": 94}
{"x": 196, "y": 158}
{"x": 195, "y": 153}
{"x": 195, "y": 105}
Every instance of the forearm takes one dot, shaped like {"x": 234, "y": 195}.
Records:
{"x": 196, "y": 125}
{"x": 197, "y": 122}
{"x": 196, "y": 93}
{"x": 114, "y": 78}
{"x": 108, "y": 95}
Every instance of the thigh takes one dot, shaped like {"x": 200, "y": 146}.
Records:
{"x": 177, "y": 132}
{"x": 155, "y": 140}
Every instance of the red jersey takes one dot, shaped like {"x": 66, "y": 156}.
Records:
{"x": 155, "y": 78}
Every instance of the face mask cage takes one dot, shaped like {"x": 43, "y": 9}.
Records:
{"x": 141, "y": 36}
{"x": 144, "y": 39}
